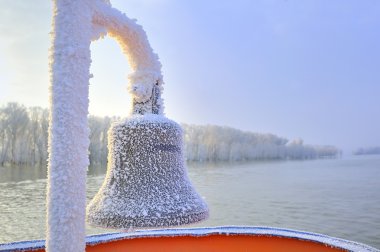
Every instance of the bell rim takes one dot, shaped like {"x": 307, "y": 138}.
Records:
{"x": 160, "y": 222}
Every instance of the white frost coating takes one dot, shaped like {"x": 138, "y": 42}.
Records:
{"x": 146, "y": 183}
{"x": 145, "y": 83}
{"x": 75, "y": 24}
{"x": 201, "y": 232}
{"x": 68, "y": 129}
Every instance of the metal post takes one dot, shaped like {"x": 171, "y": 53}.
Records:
{"x": 68, "y": 130}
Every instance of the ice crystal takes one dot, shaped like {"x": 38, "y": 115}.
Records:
{"x": 146, "y": 184}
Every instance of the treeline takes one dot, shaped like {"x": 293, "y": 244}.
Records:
{"x": 24, "y": 137}
{"x": 368, "y": 151}
{"x": 216, "y": 143}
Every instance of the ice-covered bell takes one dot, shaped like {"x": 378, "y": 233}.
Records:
{"x": 146, "y": 184}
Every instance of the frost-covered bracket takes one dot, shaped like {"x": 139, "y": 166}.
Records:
{"x": 146, "y": 184}
{"x": 145, "y": 83}
{"x": 75, "y": 25}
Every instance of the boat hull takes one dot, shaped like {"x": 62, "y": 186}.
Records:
{"x": 208, "y": 239}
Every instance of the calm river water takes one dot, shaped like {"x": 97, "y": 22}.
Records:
{"x": 337, "y": 197}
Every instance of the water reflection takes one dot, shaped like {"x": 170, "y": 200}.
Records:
{"x": 339, "y": 197}
{"x": 22, "y": 173}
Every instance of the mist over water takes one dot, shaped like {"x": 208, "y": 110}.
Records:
{"x": 337, "y": 197}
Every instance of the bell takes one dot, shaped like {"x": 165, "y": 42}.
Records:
{"x": 146, "y": 184}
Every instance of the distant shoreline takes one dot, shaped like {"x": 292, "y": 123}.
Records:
{"x": 24, "y": 141}
{"x": 368, "y": 151}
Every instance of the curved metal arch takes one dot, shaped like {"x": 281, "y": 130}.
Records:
{"x": 74, "y": 23}
{"x": 145, "y": 83}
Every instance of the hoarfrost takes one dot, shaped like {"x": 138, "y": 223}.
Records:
{"x": 75, "y": 24}
{"x": 146, "y": 174}
{"x": 68, "y": 129}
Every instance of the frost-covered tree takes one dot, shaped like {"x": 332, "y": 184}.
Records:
{"x": 98, "y": 139}
{"x": 23, "y": 135}
{"x": 13, "y": 122}
{"x": 23, "y": 140}
{"x": 368, "y": 151}
{"x": 37, "y": 135}
{"x": 216, "y": 143}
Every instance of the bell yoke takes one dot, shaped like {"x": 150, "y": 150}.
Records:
{"x": 146, "y": 184}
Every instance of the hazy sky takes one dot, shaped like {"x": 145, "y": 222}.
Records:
{"x": 295, "y": 68}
